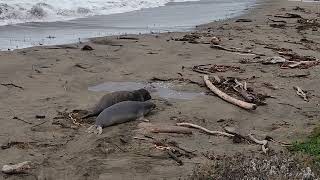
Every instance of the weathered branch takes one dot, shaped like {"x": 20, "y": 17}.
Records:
{"x": 171, "y": 129}
{"x": 204, "y": 129}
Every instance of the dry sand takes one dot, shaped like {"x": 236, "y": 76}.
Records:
{"x": 50, "y": 82}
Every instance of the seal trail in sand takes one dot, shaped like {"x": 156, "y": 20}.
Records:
{"x": 116, "y": 97}
{"x": 120, "y": 113}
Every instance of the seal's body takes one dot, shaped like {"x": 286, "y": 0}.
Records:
{"x": 122, "y": 112}
{"x": 116, "y": 97}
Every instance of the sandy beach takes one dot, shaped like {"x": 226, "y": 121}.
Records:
{"x": 40, "y": 86}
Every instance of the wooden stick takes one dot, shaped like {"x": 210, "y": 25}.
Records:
{"x": 228, "y": 98}
{"x": 232, "y": 50}
{"x": 171, "y": 129}
{"x": 17, "y": 118}
{"x": 11, "y": 84}
{"x": 204, "y": 129}
{"x": 163, "y": 128}
{"x": 301, "y": 93}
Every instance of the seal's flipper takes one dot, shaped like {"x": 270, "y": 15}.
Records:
{"x": 98, "y": 130}
{"x": 90, "y": 129}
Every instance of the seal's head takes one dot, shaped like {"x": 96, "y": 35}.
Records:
{"x": 143, "y": 94}
{"x": 148, "y": 107}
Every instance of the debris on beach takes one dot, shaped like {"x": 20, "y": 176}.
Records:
{"x": 16, "y": 168}
{"x": 128, "y": 38}
{"x": 294, "y": 61}
{"x": 302, "y": 74}
{"x": 82, "y": 66}
{"x": 40, "y": 116}
{"x": 301, "y": 64}
{"x": 12, "y": 85}
{"x": 281, "y": 26}
{"x": 191, "y": 38}
{"x": 226, "y": 97}
{"x": 298, "y": 8}
{"x": 215, "y": 40}
{"x": 277, "y": 21}
{"x": 87, "y": 48}
{"x": 243, "y": 20}
{"x": 263, "y": 143}
{"x": 305, "y": 24}
{"x": 190, "y": 125}
{"x": 171, "y": 148}
{"x": 233, "y": 87}
{"x": 71, "y": 120}
{"x": 235, "y": 50}
{"x": 274, "y": 60}
{"x": 301, "y": 93}
{"x": 288, "y": 15}
{"x": 292, "y": 56}
{"x": 213, "y": 68}
{"x": 162, "y": 128}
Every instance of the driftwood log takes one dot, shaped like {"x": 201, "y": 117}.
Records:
{"x": 171, "y": 129}
{"x": 226, "y": 97}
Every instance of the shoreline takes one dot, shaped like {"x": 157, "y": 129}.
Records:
{"x": 151, "y": 20}
{"x": 53, "y": 81}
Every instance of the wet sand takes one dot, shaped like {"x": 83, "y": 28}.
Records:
{"x": 52, "y": 81}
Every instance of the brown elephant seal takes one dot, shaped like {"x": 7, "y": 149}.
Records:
{"x": 120, "y": 113}
{"x": 116, "y": 97}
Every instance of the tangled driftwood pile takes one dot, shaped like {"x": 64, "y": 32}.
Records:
{"x": 213, "y": 68}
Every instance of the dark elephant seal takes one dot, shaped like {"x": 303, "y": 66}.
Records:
{"x": 116, "y": 97}
{"x": 120, "y": 113}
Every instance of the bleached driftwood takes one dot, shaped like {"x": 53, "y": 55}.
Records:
{"x": 301, "y": 93}
{"x": 16, "y": 168}
{"x": 214, "y": 46}
{"x": 171, "y": 129}
{"x": 226, "y": 97}
{"x": 263, "y": 143}
{"x": 204, "y": 129}
{"x": 163, "y": 128}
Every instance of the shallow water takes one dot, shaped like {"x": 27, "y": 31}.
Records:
{"x": 163, "y": 90}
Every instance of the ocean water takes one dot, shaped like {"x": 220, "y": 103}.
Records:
{"x": 161, "y": 89}
{"x": 27, "y": 23}
{"x": 21, "y": 11}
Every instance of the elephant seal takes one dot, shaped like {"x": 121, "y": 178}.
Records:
{"x": 120, "y": 113}
{"x": 116, "y": 97}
